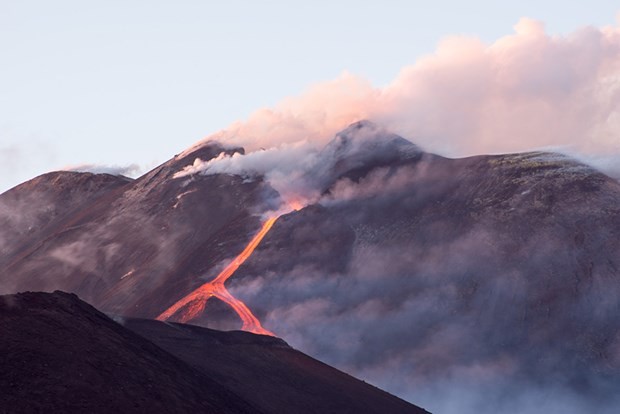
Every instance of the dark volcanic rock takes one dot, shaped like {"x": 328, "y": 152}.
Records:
{"x": 268, "y": 373}
{"x": 61, "y": 355}
{"x": 359, "y": 149}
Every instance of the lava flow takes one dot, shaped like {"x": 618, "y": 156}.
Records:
{"x": 196, "y": 301}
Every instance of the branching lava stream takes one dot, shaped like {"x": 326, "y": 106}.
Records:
{"x": 194, "y": 303}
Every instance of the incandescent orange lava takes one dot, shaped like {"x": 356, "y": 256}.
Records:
{"x": 194, "y": 303}
{"x": 295, "y": 204}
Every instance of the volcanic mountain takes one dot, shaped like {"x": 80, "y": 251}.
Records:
{"x": 485, "y": 279}
{"x": 62, "y": 355}
{"x": 134, "y": 248}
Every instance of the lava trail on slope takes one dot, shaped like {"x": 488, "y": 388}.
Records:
{"x": 194, "y": 303}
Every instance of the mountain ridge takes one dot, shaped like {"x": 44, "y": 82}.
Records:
{"x": 62, "y": 354}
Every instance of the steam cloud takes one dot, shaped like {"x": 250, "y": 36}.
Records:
{"x": 526, "y": 90}
{"x": 131, "y": 170}
{"x": 452, "y": 320}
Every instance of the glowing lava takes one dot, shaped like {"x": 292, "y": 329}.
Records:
{"x": 194, "y": 303}
{"x": 295, "y": 204}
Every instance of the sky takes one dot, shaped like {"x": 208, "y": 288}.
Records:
{"x": 132, "y": 83}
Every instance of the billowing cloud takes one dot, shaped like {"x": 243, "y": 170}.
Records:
{"x": 284, "y": 166}
{"x": 526, "y": 90}
{"x": 131, "y": 170}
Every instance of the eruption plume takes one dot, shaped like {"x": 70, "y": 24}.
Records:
{"x": 526, "y": 90}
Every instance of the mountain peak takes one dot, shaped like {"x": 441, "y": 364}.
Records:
{"x": 207, "y": 150}
{"x": 361, "y": 124}
{"x": 368, "y": 141}
{"x": 360, "y": 148}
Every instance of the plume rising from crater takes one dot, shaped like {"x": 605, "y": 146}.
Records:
{"x": 527, "y": 90}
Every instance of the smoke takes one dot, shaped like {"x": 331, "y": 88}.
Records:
{"x": 427, "y": 281}
{"x": 526, "y": 90}
{"x": 460, "y": 395}
{"x": 283, "y": 166}
{"x": 95, "y": 257}
{"x": 132, "y": 170}
{"x": 379, "y": 181}
{"x": 302, "y": 174}
{"x": 411, "y": 321}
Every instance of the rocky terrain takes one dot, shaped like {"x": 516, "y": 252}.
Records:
{"x": 62, "y": 355}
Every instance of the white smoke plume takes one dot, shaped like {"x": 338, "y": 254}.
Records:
{"x": 527, "y": 90}
{"x": 131, "y": 170}
{"x": 284, "y": 166}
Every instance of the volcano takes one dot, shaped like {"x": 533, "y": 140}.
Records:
{"x": 486, "y": 279}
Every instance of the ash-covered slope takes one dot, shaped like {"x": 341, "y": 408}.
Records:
{"x": 29, "y": 211}
{"x": 136, "y": 248}
{"x": 61, "y": 355}
{"x": 495, "y": 277}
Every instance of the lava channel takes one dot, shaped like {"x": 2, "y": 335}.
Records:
{"x": 194, "y": 303}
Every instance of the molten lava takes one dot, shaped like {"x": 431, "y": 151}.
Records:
{"x": 195, "y": 302}
{"x": 295, "y": 204}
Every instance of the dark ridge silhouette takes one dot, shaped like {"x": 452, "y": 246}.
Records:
{"x": 62, "y": 355}
{"x": 267, "y": 372}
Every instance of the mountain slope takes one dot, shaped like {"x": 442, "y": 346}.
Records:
{"x": 267, "y": 372}
{"x": 62, "y": 355}
{"x": 139, "y": 247}
{"x": 29, "y": 210}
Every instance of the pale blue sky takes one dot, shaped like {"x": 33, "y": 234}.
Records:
{"x": 121, "y": 82}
